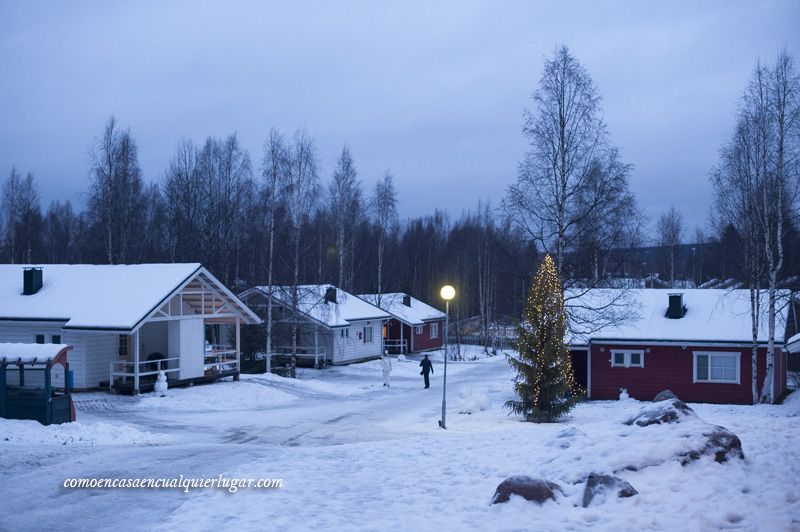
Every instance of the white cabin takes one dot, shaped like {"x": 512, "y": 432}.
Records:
{"x": 126, "y": 322}
{"x": 333, "y": 325}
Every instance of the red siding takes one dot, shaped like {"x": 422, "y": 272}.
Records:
{"x": 423, "y": 341}
{"x": 670, "y": 367}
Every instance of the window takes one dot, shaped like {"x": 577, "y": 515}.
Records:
{"x": 627, "y": 359}
{"x": 368, "y": 335}
{"x": 42, "y": 338}
{"x": 122, "y": 346}
{"x": 418, "y": 329}
{"x": 434, "y": 330}
{"x": 716, "y": 367}
{"x": 344, "y": 333}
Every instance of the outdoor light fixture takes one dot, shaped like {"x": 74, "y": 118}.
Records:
{"x": 447, "y": 293}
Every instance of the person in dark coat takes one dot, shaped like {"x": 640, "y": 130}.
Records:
{"x": 427, "y": 369}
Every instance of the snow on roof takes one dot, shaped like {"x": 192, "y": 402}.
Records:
{"x": 27, "y": 353}
{"x": 640, "y": 314}
{"x": 416, "y": 314}
{"x": 311, "y": 301}
{"x": 91, "y": 296}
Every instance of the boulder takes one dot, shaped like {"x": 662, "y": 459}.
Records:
{"x": 663, "y": 395}
{"x": 671, "y": 411}
{"x": 720, "y": 443}
{"x": 598, "y": 484}
{"x": 531, "y": 489}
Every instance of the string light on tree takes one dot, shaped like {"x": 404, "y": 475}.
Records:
{"x": 545, "y": 384}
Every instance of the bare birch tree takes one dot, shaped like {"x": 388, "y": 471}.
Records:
{"x": 345, "y": 195}
{"x": 669, "y": 229}
{"x": 275, "y": 171}
{"x": 384, "y": 206}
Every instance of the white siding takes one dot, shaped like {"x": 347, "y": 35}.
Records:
{"x": 25, "y": 332}
{"x": 101, "y": 349}
{"x": 353, "y": 347}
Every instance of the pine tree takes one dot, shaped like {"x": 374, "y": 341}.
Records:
{"x": 544, "y": 382}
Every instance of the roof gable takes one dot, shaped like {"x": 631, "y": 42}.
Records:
{"x": 85, "y": 296}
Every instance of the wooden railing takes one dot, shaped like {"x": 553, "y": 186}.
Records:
{"x": 219, "y": 359}
{"x": 396, "y": 346}
{"x": 125, "y": 369}
{"x": 317, "y": 354}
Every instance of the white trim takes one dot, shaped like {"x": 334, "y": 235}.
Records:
{"x": 419, "y": 329}
{"x": 589, "y": 372}
{"x": 626, "y": 357}
{"x": 681, "y": 343}
{"x": 434, "y": 330}
{"x": 709, "y": 354}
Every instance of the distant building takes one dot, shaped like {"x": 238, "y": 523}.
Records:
{"x": 334, "y": 327}
{"x": 126, "y": 322}
{"x": 695, "y": 342}
{"x": 414, "y": 325}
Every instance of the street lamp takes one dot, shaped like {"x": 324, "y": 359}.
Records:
{"x": 447, "y": 293}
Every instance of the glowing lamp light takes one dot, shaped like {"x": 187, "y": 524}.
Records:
{"x": 448, "y": 292}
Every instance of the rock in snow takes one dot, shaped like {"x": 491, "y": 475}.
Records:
{"x": 663, "y": 395}
{"x": 598, "y": 485}
{"x": 720, "y": 443}
{"x": 671, "y": 411}
{"x": 529, "y": 488}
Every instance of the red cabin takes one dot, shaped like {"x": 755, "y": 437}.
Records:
{"x": 696, "y": 343}
{"x": 414, "y": 326}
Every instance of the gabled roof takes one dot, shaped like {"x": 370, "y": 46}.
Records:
{"x": 43, "y": 354}
{"x": 416, "y": 314}
{"x": 311, "y": 302}
{"x": 103, "y": 297}
{"x": 712, "y": 316}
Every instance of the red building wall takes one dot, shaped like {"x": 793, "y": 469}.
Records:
{"x": 422, "y": 341}
{"x": 670, "y": 367}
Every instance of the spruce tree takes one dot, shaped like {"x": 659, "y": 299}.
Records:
{"x": 544, "y": 383}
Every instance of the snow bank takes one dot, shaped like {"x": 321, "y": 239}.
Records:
{"x": 220, "y": 396}
{"x": 27, "y": 432}
{"x": 469, "y": 401}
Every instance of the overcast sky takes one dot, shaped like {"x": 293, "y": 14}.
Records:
{"x": 432, "y": 91}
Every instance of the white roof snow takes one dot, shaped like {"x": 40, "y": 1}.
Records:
{"x": 311, "y": 302}
{"x": 719, "y": 316}
{"x": 91, "y": 296}
{"x": 416, "y": 314}
{"x": 27, "y": 353}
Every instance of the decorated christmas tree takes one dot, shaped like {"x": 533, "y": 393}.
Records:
{"x": 544, "y": 384}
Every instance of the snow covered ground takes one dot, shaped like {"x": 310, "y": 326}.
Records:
{"x": 354, "y": 455}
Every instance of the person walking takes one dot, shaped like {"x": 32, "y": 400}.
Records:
{"x": 386, "y": 366}
{"x": 427, "y": 369}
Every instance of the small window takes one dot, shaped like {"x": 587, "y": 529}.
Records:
{"x": 418, "y": 329}
{"x": 368, "y": 335}
{"x": 344, "y": 333}
{"x": 434, "y": 330}
{"x": 55, "y": 339}
{"x": 717, "y": 367}
{"x": 627, "y": 359}
{"x": 122, "y": 346}
{"x": 39, "y": 339}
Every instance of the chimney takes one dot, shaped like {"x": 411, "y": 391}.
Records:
{"x": 330, "y": 295}
{"x": 676, "y": 309}
{"x": 407, "y": 300}
{"x": 31, "y": 281}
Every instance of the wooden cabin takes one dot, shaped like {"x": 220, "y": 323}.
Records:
{"x": 126, "y": 322}
{"x": 414, "y": 326}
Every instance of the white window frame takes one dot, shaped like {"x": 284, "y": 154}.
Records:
{"x": 434, "y": 330}
{"x": 709, "y": 354}
{"x": 418, "y": 329}
{"x": 627, "y": 357}
{"x": 368, "y": 337}
{"x": 344, "y": 332}
{"x": 48, "y": 337}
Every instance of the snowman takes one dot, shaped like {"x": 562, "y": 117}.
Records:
{"x": 623, "y": 394}
{"x": 161, "y": 383}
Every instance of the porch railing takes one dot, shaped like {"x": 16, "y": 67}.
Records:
{"x": 317, "y": 354}
{"x": 125, "y": 369}
{"x": 396, "y": 346}
{"x": 220, "y": 359}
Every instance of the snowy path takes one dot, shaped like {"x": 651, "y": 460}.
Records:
{"x": 354, "y": 455}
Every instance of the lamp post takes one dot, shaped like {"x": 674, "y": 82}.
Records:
{"x": 447, "y": 293}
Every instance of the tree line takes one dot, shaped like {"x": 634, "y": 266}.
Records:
{"x": 280, "y": 217}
